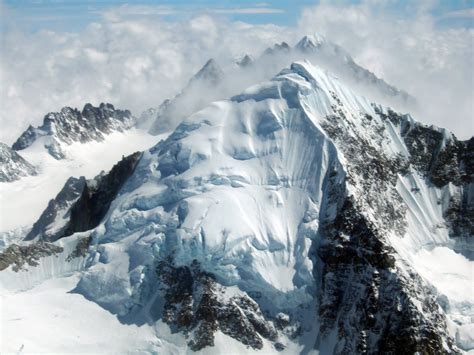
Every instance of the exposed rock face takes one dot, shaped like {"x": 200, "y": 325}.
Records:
{"x": 278, "y": 48}
{"x": 438, "y": 155}
{"x": 210, "y": 73}
{"x": 81, "y": 248}
{"x": 366, "y": 295}
{"x": 96, "y": 197}
{"x": 53, "y": 220}
{"x": 81, "y": 204}
{"x": 71, "y": 125}
{"x": 196, "y": 304}
{"x": 13, "y": 166}
{"x": 19, "y": 255}
{"x": 373, "y": 303}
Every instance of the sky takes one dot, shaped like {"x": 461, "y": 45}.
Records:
{"x": 76, "y": 15}
{"x": 136, "y": 53}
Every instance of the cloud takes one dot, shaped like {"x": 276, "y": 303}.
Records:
{"x": 248, "y": 10}
{"x": 135, "y": 62}
{"x": 127, "y": 11}
{"x": 118, "y": 13}
{"x": 134, "y": 59}
{"x": 409, "y": 50}
{"x": 464, "y": 13}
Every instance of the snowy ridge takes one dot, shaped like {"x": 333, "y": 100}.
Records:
{"x": 296, "y": 217}
{"x": 320, "y": 50}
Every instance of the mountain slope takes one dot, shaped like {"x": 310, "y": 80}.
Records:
{"x": 296, "y": 216}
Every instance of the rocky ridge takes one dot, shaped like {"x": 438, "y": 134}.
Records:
{"x": 71, "y": 125}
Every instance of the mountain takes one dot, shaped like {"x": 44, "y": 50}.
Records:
{"x": 245, "y": 61}
{"x": 212, "y": 82}
{"x": 295, "y": 217}
{"x": 319, "y": 49}
{"x": 202, "y": 88}
{"x": 87, "y": 147}
{"x": 12, "y": 165}
{"x": 71, "y": 125}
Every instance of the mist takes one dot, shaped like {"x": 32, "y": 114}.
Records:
{"x": 137, "y": 63}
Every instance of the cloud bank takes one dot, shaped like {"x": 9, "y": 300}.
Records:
{"x": 137, "y": 61}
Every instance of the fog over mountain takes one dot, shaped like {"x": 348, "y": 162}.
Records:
{"x": 135, "y": 59}
{"x": 173, "y": 181}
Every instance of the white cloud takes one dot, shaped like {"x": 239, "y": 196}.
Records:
{"x": 464, "y": 13}
{"x": 117, "y": 13}
{"x": 433, "y": 63}
{"x": 133, "y": 63}
{"x": 137, "y": 61}
{"x": 248, "y": 10}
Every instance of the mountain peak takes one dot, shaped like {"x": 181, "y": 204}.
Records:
{"x": 211, "y": 72}
{"x": 282, "y": 47}
{"x": 245, "y": 61}
{"x": 71, "y": 125}
{"x": 310, "y": 42}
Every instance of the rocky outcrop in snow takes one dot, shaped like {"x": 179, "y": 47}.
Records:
{"x": 13, "y": 166}
{"x": 54, "y": 218}
{"x": 18, "y": 256}
{"x": 81, "y": 204}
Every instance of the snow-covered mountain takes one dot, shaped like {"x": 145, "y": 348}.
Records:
{"x": 333, "y": 57}
{"x": 212, "y": 82}
{"x": 12, "y": 165}
{"x": 68, "y": 143}
{"x": 71, "y": 125}
{"x": 295, "y": 217}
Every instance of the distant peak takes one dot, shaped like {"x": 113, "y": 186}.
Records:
{"x": 211, "y": 71}
{"x": 310, "y": 42}
{"x": 245, "y": 61}
{"x": 282, "y": 47}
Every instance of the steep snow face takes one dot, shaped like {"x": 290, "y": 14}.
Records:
{"x": 296, "y": 216}
{"x": 12, "y": 165}
{"x": 70, "y": 125}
